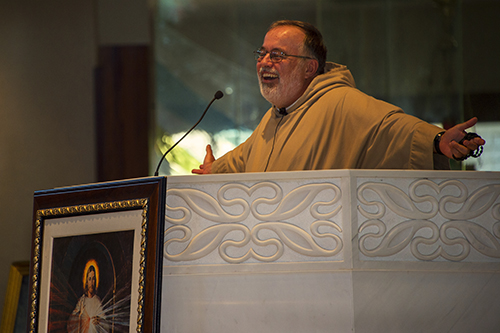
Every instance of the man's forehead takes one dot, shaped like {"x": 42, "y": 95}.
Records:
{"x": 283, "y": 36}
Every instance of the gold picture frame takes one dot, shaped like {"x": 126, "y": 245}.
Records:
{"x": 18, "y": 271}
{"x": 112, "y": 232}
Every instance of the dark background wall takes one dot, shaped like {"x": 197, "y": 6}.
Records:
{"x": 56, "y": 57}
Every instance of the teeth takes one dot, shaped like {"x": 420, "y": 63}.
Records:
{"x": 269, "y": 76}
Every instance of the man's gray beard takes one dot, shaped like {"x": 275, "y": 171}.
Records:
{"x": 274, "y": 93}
{"x": 269, "y": 92}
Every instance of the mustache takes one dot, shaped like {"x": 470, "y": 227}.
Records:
{"x": 268, "y": 70}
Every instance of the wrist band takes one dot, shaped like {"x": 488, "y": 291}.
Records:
{"x": 437, "y": 140}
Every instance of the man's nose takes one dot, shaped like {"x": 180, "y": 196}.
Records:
{"x": 266, "y": 59}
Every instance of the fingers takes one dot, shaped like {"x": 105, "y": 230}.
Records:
{"x": 206, "y": 167}
{"x": 197, "y": 171}
{"x": 209, "y": 157}
{"x": 479, "y": 141}
{"x": 474, "y": 143}
{"x": 458, "y": 150}
{"x": 466, "y": 148}
{"x": 468, "y": 124}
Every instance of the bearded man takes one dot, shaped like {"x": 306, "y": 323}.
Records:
{"x": 319, "y": 120}
{"x": 88, "y": 313}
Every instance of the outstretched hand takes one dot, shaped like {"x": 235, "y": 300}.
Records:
{"x": 450, "y": 146}
{"x": 206, "y": 167}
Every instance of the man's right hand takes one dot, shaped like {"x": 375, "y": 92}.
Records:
{"x": 206, "y": 167}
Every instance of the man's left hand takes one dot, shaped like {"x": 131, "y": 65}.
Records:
{"x": 450, "y": 139}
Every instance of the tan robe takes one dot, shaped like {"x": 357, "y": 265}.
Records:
{"x": 336, "y": 126}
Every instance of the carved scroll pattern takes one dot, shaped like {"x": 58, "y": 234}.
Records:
{"x": 264, "y": 205}
{"x": 441, "y": 220}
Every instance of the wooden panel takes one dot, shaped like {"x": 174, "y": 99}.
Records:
{"x": 122, "y": 84}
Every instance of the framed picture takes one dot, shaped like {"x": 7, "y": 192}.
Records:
{"x": 15, "y": 308}
{"x": 97, "y": 257}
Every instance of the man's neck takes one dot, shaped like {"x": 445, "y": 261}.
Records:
{"x": 286, "y": 107}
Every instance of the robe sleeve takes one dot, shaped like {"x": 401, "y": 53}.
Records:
{"x": 390, "y": 138}
{"x": 231, "y": 162}
{"x": 236, "y": 160}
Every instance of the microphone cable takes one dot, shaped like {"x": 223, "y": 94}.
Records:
{"x": 274, "y": 140}
{"x": 218, "y": 95}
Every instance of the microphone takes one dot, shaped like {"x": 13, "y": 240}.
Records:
{"x": 282, "y": 111}
{"x": 218, "y": 95}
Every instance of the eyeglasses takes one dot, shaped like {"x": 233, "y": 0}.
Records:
{"x": 275, "y": 55}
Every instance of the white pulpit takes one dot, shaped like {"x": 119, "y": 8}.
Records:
{"x": 332, "y": 251}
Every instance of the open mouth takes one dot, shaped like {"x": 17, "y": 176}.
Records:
{"x": 268, "y": 77}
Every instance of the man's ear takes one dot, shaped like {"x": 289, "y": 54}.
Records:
{"x": 312, "y": 68}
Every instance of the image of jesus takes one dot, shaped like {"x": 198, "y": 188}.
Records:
{"x": 87, "y": 317}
